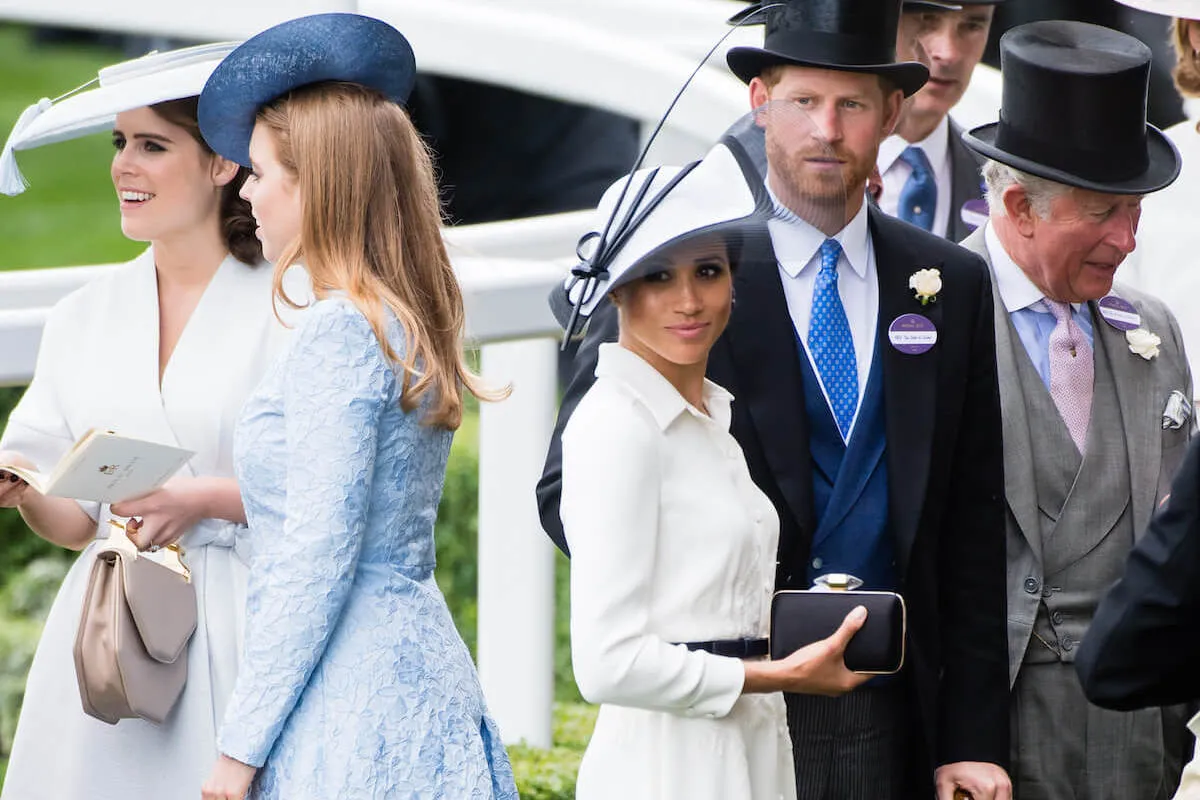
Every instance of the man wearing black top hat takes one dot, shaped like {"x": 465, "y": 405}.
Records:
{"x": 886, "y": 464}
{"x": 1095, "y": 390}
{"x": 929, "y": 175}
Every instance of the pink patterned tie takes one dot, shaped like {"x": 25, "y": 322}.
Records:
{"x": 1072, "y": 373}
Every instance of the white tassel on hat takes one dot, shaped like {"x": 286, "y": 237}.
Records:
{"x": 12, "y": 182}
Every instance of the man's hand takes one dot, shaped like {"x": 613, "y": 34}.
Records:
{"x": 972, "y": 779}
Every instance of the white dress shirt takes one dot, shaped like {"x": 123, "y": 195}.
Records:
{"x": 671, "y": 542}
{"x": 895, "y": 173}
{"x": 797, "y": 248}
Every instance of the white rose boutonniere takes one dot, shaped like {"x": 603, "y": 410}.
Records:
{"x": 926, "y": 283}
{"x": 1143, "y": 343}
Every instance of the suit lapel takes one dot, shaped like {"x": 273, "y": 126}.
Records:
{"x": 1139, "y": 418}
{"x": 762, "y": 343}
{"x": 909, "y": 382}
{"x": 1019, "y": 486}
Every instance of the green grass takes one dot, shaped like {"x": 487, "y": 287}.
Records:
{"x": 69, "y": 214}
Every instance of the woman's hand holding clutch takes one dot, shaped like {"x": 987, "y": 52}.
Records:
{"x": 819, "y": 668}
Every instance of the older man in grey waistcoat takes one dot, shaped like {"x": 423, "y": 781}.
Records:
{"x": 1094, "y": 390}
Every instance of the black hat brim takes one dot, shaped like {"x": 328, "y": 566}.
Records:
{"x": 322, "y": 47}
{"x": 1163, "y": 169}
{"x": 747, "y": 63}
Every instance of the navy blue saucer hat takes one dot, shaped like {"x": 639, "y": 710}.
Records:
{"x": 323, "y": 47}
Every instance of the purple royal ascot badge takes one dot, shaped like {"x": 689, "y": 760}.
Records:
{"x": 974, "y": 213}
{"x": 912, "y": 334}
{"x": 1119, "y": 313}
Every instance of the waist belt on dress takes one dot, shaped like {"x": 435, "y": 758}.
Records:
{"x": 732, "y": 648}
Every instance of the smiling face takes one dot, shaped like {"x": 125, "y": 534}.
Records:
{"x": 673, "y": 315}
{"x": 274, "y": 196}
{"x": 823, "y": 130}
{"x": 952, "y": 43}
{"x": 166, "y": 183}
{"x": 1075, "y": 250}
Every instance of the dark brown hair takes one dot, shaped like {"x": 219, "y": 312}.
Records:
{"x": 237, "y": 223}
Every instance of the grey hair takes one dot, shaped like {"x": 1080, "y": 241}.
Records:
{"x": 1041, "y": 192}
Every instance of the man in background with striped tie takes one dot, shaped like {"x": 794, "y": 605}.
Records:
{"x": 1094, "y": 387}
{"x": 928, "y": 174}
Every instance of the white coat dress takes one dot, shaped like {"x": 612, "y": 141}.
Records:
{"x": 98, "y": 368}
{"x": 671, "y": 542}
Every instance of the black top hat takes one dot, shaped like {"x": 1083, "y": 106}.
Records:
{"x": 1073, "y": 110}
{"x": 848, "y": 35}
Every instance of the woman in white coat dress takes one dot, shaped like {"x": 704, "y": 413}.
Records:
{"x": 673, "y": 546}
{"x": 164, "y": 348}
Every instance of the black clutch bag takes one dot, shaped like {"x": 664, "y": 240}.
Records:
{"x": 799, "y": 618}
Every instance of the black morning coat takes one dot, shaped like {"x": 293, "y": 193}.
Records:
{"x": 945, "y": 467}
{"x": 1143, "y": 647}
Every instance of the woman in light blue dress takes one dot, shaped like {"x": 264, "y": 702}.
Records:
{"x": 354, "y": 682}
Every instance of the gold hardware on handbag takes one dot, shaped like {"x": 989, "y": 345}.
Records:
{"x": 138, "y": 616}
{"x": 801, "y": 617}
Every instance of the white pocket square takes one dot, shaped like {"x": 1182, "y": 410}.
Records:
{"x": 1177, "y": 411}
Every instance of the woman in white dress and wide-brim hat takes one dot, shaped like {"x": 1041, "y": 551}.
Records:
{"x": 165, "y": 348}
{"x": 673, "y": 547}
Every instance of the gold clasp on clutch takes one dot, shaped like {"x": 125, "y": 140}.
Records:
{"x": 172, "y": 554}
{"x": 836, "y": 582}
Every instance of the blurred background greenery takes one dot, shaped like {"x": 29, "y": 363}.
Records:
{"x": 69, "y": 216}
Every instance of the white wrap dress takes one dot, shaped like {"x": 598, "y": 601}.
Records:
{"x": 98, "y": 367}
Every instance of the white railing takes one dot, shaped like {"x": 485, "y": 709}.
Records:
{"x": 625, "y": 56}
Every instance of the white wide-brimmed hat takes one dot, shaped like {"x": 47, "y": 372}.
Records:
{"x": 659, "y": 209}
{"x": 154, "y": 78}
{"x": 1187, "y": 9}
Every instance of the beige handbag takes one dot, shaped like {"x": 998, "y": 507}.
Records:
{"x": 131, "y": 648}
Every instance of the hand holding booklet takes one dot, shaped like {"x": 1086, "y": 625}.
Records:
{"x": 106, "y": 467}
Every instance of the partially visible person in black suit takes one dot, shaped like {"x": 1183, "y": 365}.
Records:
{"x": 506, "y": 154}
{"x": 1143, "y": 648}
{"x": 881, "y": 463}
{"x": 928, "y": 173}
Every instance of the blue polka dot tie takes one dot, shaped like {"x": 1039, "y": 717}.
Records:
{"x": 918, "y": 198}
{"x": 830, "y": 342}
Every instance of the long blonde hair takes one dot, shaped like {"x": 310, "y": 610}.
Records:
{"x": 1187, "y": 62}
{"x": 370, "y": 226}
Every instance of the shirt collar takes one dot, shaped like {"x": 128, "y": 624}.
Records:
{"x": 663, "y": 400}
{"x": 1016, "y": 289}
{"x": 796, "y": 241}
{"x": 936, "y": 146}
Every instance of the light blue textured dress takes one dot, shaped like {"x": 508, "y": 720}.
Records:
{"x": 354, "y": 682}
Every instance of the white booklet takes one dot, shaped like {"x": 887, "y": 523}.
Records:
{"x": 106, "y": 467}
